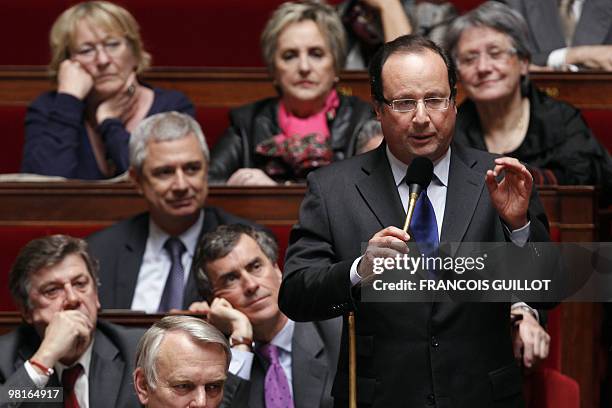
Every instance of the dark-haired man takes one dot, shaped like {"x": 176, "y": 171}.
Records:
{"x": 289, "y": 363}
{"x": 54, "y": 283}
{"x": 412, "y": 354}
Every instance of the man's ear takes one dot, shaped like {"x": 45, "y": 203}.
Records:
{"x": 136, "y": 178}
{"x": 278, "y": 271}
{"x": 377, "y": 109}
{"x": 26, "y": 314}
{"x": 141, "y": 386}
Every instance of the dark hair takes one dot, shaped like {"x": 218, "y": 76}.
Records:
{"x": 406, "y": 44}
{"x": 44, "y": 253}
{"x": 220, "y": 242}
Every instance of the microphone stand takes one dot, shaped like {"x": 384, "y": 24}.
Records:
{"x": 352, "y": 362}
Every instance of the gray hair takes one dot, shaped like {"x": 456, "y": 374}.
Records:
{"x": 44, "y": 253}
{"x": 220, "y": 242}
{"x": 325, "y": 17}
{"x": 198, "y": 330}
{"x": 493, "y": 15}
{"x": 160, "y": 127}
{"x": 369, "y": 130}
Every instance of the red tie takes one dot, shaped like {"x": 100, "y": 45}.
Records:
{"x": 69, "y": 378}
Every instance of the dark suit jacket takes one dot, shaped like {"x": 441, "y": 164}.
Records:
{"x": 120, "y": 249}
{"x": 546, "y": 34}
{"x": 409, "y": 354}
{"x": 112, "y": 364}
{"x": 314, "y": 354}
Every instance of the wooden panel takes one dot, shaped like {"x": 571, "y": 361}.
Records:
{"x": 569, "y": 208}
{"x": 230, "y": 87}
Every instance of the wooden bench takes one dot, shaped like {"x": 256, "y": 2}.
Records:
{"x": 215, "y": 91}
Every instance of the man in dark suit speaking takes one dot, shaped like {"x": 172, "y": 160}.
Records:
{"x": 54, "y": 283}
{"x": 412, "y": 354}
{"x": 145, "y": 261}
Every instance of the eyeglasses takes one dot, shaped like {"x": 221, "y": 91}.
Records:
{"x": 112, "y": 47}
{"x": 495, "y": 55}
{"x": 409, "y": 105}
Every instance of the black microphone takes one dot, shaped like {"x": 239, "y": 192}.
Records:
{"x": 418, "y": 177}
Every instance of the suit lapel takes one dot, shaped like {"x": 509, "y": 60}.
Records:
{"x": 379, "y": 191}
{"x": 594, "y": 22}
{"x": 548, "y": 36}
{"x": 464, "y": 189}
{"x": 308, "y": 368}
{"x": 106, "y": 372}
{"x": 130, "y": 260}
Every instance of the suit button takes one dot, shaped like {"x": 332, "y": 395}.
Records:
{"x": 434, "y": 341}
{"x": 431, "y": 399}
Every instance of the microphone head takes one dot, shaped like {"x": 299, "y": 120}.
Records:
{"x": 419, "y": 173}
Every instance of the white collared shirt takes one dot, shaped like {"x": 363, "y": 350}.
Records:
{"x": 556, "y": 59}
{"x": 242, "y": 361}
{"x": 81, "y": 386}
{"x": 156, "y": 264}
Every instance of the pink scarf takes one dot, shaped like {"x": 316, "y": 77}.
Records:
{"x": 304, "y": 143}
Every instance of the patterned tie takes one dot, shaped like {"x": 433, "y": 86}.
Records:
{"x": 276, "y": 386}
{"x": 424, "y": 226}
{"x": 172, "y": 297}
{"x": 69, "y": 378}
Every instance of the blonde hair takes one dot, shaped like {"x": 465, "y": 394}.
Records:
{"x": 324, "y": 16}
{"x": 103, "y": 14}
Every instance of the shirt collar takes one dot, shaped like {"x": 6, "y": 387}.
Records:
{"x": 441, "y": 167}
{"x": 189, "y": 238}
{"x": 283, "y": 338}
{"x": 85, "y": 360}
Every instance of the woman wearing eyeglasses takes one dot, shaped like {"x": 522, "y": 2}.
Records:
{"x": 309, "y": 124}
{"x": 505, "y": 113}
{"x": 82, "y": 129}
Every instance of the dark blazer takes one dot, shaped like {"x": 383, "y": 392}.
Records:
{"x": 409, "y": 354}
{"x": 315, "y": 348}
{"x": 120, "y": 249}
{"x": 112, "y": 364}
{"x": 546, "y": 34}
{"x": 256, "y": 122}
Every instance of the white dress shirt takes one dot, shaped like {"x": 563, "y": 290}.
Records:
{"x": 242, "y": 361}
{"x": 81, "y": 386}
{"x": 556, "y": 59}
{"x": 156, "y": 264}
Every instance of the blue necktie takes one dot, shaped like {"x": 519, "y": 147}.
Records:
{"x": 424, "y": 226}
{"x": 172, "y": 298}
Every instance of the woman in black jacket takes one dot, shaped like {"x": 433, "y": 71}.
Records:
{"x": 309, "y": 124}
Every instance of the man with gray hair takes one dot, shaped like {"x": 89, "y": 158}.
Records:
{"x": 181, "y": 361}
{"x": 62, "y": 342}
{"x": 145, "y": 261}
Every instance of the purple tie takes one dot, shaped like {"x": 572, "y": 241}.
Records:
{"x": 276, "y": 386}
{"x": 172, "y": 298}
